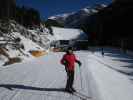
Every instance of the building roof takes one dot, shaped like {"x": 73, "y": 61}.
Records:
{"x": 68, "y": 34}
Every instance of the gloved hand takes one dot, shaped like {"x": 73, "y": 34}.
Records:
{"x": 79, "y": 63}
{"x": 65, "y": 63}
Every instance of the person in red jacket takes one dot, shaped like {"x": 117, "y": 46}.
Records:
{"x": 68, "y": 61}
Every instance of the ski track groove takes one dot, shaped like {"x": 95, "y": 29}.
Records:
{"x": 33, "y": 82}
{"x": 45, "y": 95}
{"x": 16, "y": 80}
{"x": 84, "y": 76}
{"x": 17, "y": 92}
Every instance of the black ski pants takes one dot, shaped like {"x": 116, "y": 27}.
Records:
{"x": 70, "y": 79}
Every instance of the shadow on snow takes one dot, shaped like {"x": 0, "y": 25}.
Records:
{"x": 11, "y": 87}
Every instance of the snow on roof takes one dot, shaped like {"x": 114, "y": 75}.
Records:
{"x": 68, "y": 33}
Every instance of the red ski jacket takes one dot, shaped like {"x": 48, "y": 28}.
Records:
{"x": 69, "y": 61}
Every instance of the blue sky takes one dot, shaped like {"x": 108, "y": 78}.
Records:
{"x": 53, "y": 7}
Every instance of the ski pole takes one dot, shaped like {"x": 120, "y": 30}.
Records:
{"x": 81, "y": 78}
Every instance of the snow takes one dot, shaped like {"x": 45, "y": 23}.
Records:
{"x": 110, "y": 74}
{"x": 32, "y": 40}
{"x": 86, "y": 10}
{"x": 29, "y": 44}
{"x": 103, "y": 5}
{"x": 67, "y": 33}
{"x": 34, "y": 80}
{"x": 42, "y": 38}
{"x": 64, "y": 16}
{"x": 94, "y": 10}
{"x": 61, "y": 16}
{"x": 116, "y": 60}
{"x": 100, "y": 77}
{"x": 111, "y": 84}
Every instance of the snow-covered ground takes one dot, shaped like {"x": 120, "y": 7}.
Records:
{"x": 112, "y": 74}
{"x": 68, "y": 33}
{"x": 102, "y": 78}
{"x": 41, "y": 79}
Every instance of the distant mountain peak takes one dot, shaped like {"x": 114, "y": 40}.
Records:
{"x": 63, "y": 16}
{"x": 75, "y": 19}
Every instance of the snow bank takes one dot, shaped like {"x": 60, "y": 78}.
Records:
{"x": 30, "y": 40}
{"x": 28, "y": 44}
{"x": 110, "y": 85}
{"x": 24, "y": 54}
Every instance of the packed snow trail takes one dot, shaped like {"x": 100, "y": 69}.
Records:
{"x": 112, "y": 74}
{"x": 42, "y": 79}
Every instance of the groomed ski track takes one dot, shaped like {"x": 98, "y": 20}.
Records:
{"x": 43, "y": 79}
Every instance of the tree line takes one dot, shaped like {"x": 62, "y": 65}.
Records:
{"x": 24, "y": 15}
{"x": 112, "y": 26}
{"x": 27, "y": 16}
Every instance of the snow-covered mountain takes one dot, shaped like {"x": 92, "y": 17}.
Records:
{"x": 75, "y": 19}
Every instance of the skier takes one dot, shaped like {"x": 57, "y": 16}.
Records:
{"x": 102, "y": 52}
{"x": 68, "y": 61}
